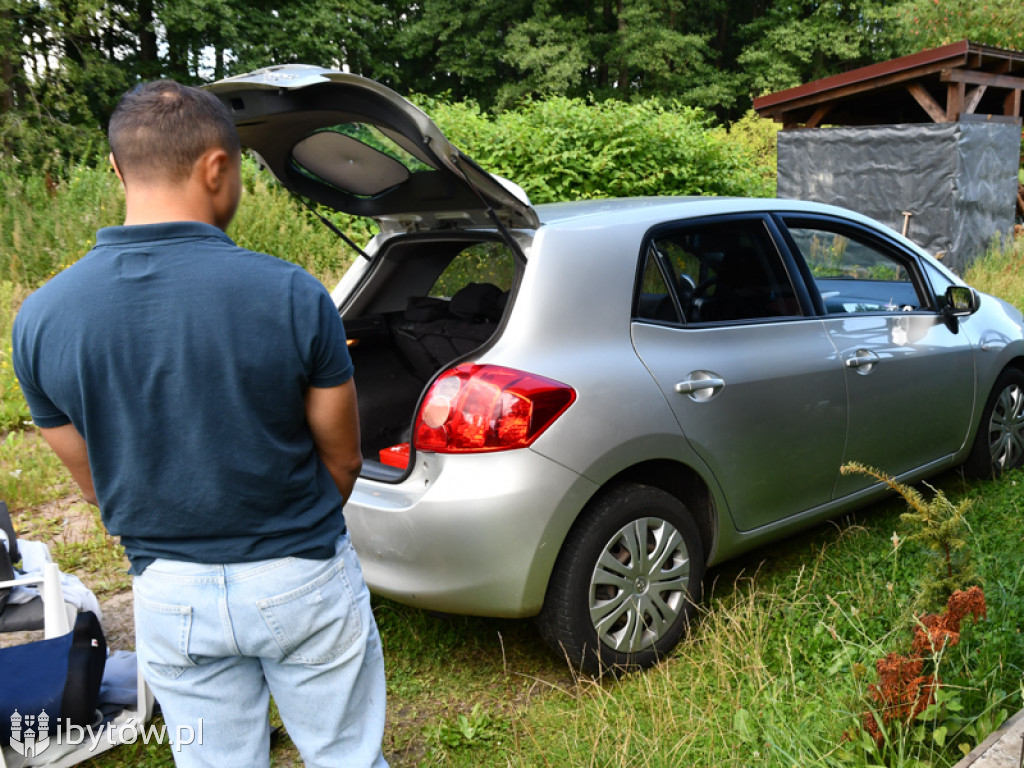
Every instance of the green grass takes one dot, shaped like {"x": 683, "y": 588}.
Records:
{"x": 46, "y": 227}
{"x": 774, "y": 673}
{"x": 1000, "y": 271}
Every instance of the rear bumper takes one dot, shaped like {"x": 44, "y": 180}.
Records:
{"x": 469, "y": 534}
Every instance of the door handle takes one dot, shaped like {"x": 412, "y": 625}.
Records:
{"x": 700, "y": 386}
{"x": 863, "y": 360}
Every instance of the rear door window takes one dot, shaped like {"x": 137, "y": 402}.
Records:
{"x": 715, "y": 271}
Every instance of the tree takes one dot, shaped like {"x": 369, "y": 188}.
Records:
{"x": 930, "y": 23}
{"x": 804, "y": 40}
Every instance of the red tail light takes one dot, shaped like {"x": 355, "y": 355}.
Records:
{"x": 477, "y": 408}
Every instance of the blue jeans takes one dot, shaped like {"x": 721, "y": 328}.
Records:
{"x": 215, "y": 641}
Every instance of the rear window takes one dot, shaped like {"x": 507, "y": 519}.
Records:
{"x": 491, "y": 262}
{"x": 356, "y": 158}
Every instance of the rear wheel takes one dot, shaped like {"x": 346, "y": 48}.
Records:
{"x": 626, "y": 582}
{"x": 999, "y": 444}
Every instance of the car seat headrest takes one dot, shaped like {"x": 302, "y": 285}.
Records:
{"x": 477, "y": 301}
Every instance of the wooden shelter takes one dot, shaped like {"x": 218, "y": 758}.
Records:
{"x": 927, "y": 143}
{"x": 939, "y": 85}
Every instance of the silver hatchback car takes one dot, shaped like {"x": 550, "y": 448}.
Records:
{"x": 569, "y": 411}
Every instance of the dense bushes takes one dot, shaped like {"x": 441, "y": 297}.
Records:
{"x": 564, "y": 149}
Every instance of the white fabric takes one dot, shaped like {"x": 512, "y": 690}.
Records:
{"x": 34, "y": 555}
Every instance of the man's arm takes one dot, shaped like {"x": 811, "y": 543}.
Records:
{"x": 70, "y": 449}
{"x": 333, "y": 420}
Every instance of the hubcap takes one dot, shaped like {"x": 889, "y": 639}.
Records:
{"x": 1006, "y": 429}
{"x": 639, "y": 585}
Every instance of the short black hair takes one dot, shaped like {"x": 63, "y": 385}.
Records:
{"x": 161, "y": 128}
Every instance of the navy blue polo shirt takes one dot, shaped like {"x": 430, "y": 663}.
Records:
{"x": 182, "y": 359}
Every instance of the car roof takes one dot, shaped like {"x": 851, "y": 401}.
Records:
{"x": 668, "y": 208}
{"x": 651, "y": 211}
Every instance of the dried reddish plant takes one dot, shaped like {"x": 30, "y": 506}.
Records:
{"x": 902, "y": 691}
{"x": 937, "y": 631}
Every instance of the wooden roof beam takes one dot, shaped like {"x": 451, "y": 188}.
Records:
{"x": 974, "y": 97}
{"x": 928, "y": 104}
{"x": 981, "y": 78}
{"x": 819, "y": 114}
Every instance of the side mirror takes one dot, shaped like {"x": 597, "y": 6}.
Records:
{"x": 961, "y": 301}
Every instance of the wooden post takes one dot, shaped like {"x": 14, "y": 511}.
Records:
{"x": 1011, "y": 106}
{"x": 955, "y": 96}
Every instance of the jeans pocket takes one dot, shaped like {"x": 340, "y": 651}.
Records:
{"x": 164, "y": 631}
{"x": 317, "y": 622}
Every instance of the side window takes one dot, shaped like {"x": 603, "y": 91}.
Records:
{"x": 853, "y": 274}
{"x": 654, "y": 301}
{"x": 490, "y": 262}
{"x": 724, "y": 271}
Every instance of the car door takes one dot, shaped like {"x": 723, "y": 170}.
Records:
{"x": 910, "y": 377}
{"x": 751, "y": 375}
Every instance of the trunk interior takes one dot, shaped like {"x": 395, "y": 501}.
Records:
{"x": 426, "y": 303}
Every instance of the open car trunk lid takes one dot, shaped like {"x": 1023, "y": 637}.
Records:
{"x": 356, "y": 146}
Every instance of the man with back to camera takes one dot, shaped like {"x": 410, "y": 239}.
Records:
{"x": 201, "y": 395}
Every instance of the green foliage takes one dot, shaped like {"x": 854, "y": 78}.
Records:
{"x": 941, "y": 526}
{"x": 46, "y": 225}
{"x": 458, "y": 48}
{"x": 30, "y": 473}
{"x": 270, "y": 220}
{"x": 13, "y": 409}
{"x": 566, "y": 149}
{"x": 478, "y": 728}
{"x": 491, "y": 262}
{"x": 793, "y": 43}
{"x": 999, "y": 272}
{"x": 759, "y": 136}
{"x": 63, "y": 65}
{"x": 930, "y": 23}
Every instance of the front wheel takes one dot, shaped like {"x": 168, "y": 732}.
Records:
{"x": 626, "y": 582}
{"x": 999, "y": 445}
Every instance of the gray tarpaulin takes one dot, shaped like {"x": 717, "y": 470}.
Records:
{"x": 959, "y": 180}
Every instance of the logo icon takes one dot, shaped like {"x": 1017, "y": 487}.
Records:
{"x": 30, "y": 734}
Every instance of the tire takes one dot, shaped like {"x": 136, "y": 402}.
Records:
{"x": 604, "y": 610}
{"x": 999, "y": 445}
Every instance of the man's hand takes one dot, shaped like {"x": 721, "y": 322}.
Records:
{"x": 70, "y": 449}
{"x": 333, "y": 419}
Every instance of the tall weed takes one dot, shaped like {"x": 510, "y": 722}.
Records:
{"x": 13, "y": 409}
{"x": 46, "y": 225}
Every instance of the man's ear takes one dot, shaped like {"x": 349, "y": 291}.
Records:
{"x": 214, "y": 165}
{"x": 113, "y": 164}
